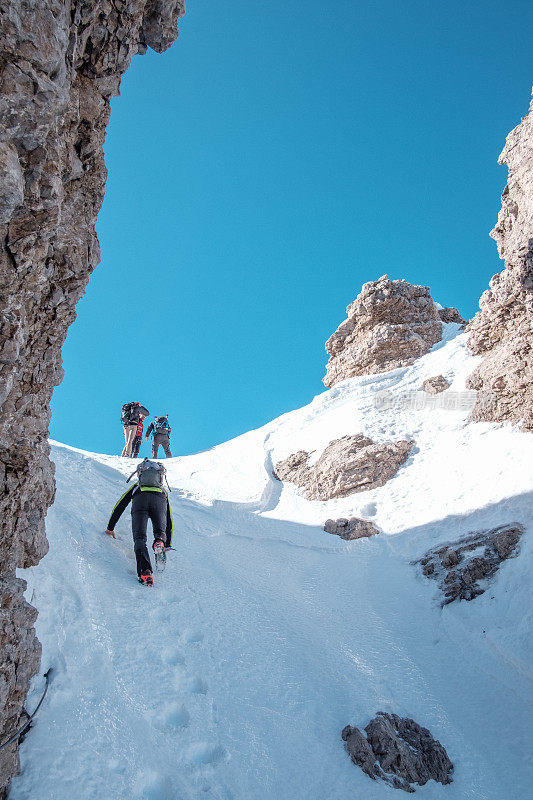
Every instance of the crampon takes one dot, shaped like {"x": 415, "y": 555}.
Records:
{"x": 160, "y": 555}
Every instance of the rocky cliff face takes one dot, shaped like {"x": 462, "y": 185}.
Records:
{"x": 502, "y": 330}
{"x": 61, "y": 62}
{"x": 390, "y": 324}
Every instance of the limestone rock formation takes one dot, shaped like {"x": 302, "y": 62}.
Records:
{"x": 353, "y": 528}
{"x": 502, "y": 330}
{"x": 390, "y": 324}
{"x": 436, "y": 384}
{"x": 399, "y": 751}
{"x": 451, "y": 315}
{"x": 61, "y": 63}
{"x": 463, "y": 568}
{"x": 347, "y": 465}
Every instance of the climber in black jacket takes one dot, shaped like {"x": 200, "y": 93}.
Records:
{"x": 147, "y": 502}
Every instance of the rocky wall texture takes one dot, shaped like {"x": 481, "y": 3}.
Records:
{"x": 502, "y": 330}
{"x": 390, "y": 324}
{"x": 61, "y": 62}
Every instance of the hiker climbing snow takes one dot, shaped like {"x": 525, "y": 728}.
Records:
{"x": 132, "y": 414}
{"x": 161, "y": 433}
{"x": 149, "y": 500}
{"x": 137, "y": 439}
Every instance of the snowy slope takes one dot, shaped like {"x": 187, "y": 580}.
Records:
{"x": 234, "y": 675}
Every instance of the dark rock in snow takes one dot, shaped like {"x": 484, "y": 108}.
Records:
{"x": 360, "y": 751}
{"x": 450, "y": 558}
{"x": 399, "y": 751}
{"x": 460, "y": 575}
{"x": 353, "y": 528}
{"x": 505, "y": 542}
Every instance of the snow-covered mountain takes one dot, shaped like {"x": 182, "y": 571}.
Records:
{"x": 234, "y": 676}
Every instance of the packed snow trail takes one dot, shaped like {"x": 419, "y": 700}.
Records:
{"x": 235, "y": 674}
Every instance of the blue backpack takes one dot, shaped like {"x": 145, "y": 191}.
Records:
{"x": 161, "y": 425}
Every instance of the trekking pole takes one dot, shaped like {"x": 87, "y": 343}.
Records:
{"x": 134, "y": 471}
{"x": 20, "y": 731}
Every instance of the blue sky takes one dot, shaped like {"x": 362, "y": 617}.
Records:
{"x": 276, "y": 158}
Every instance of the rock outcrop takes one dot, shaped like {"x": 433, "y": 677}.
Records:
{"x": 435, "y": 385}
{"x": 451, "y": 315}
{"x": 61, "y": 62}
{"x": 502, "y": 330}
{"x": 352, "y": 528}
{"x": 347, "y": 465}
{"x": 389, "y": 325}
{"x": 463, "y": 568}
{"x": 399, "y": 751}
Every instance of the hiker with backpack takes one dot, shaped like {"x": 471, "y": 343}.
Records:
{"x": 137, "y": 439}
{"x": 132, "y": 414}
{"x": 149, "y": 500}
{"x": 160, "y": 429}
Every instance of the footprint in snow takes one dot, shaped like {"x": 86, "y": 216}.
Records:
{"x": 197, "y": 686}
{"x": 172, "y": 656}
{"x": 190, "y": 683}
{"x": 160, "y": 615}
{"x": 151, "y": 786}
{"x": 369, "y": 510}
{"x": 177, "y": 716}
{"x": 219, "y": 792}
{"x": 116, "y": 765}
{"x": 203, "y": 753}
{"x": 191, "y": 637}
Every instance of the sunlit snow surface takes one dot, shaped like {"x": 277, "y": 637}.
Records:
{"x": 234, "y": 676}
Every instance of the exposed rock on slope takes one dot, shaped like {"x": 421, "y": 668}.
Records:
{"x": 435, "y": 385}
{"x": 390, "y": 324}
{"x": 399, "y": 751}
{"x": 347, "y": 465}
{"x": 353, "y": 528}
{"x": 61, "y": 63}
{"x": 462, "y": 568}
{"x": 502, "y": 330}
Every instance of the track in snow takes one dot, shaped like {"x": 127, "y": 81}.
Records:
{"x": 234, "y": 675}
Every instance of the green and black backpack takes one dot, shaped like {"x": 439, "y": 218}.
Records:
{"x": 150, "y": 475}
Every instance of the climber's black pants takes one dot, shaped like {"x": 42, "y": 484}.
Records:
{"x": 163, "y": 440}
{"x": 145, "y": 506}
